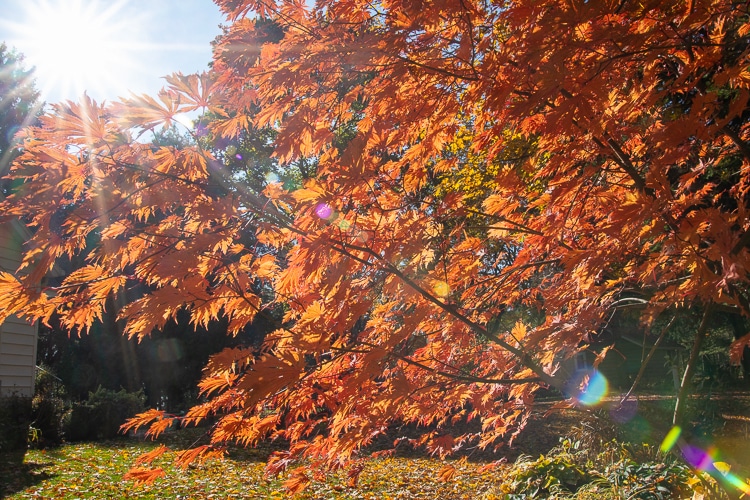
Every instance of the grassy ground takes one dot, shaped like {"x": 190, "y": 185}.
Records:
{"x": 94, "y": 470}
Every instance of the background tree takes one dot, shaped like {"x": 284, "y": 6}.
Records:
{"x": 395, "y": 303}
{"x": 168, "y": 363}
{"x": 19, "y": 106}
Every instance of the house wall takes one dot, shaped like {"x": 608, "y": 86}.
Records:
{"x": 17, "y": 337}
{"x": 623, "y": 361}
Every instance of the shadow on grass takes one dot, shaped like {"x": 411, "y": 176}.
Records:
{"x": 16, "y": 476}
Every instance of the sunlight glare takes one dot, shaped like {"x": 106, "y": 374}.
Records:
{"x": 78, "y": 45}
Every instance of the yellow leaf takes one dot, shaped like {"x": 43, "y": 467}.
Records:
{"x": 519, "y": 331}
{"x": 723, "y": 467}
{"x": 309, "y": 193}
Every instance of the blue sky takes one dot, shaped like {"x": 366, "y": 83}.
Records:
{"x": 109, "y": 47}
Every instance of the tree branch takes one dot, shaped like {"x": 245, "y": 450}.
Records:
{"x": 700, "y": 335}
{"x": 651, "y": 352}
{"x": 453, "y": 376}
{"x": 524, "y": 357}
{"x": 737, "y": 140}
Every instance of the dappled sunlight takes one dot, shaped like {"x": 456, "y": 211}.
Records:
{"x": 317, "y": 197}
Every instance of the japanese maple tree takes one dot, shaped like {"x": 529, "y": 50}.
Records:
{"x": 471, "y": 162}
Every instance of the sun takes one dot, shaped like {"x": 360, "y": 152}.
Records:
{"x": 79, "y": 46}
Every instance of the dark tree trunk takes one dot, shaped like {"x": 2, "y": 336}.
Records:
{"x": 686, "y": 384}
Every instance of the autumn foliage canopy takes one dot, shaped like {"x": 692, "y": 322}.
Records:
{"x": 492, "y": 181}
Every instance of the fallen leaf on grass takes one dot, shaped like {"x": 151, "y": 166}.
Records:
{"x": 142, "y": 475}
{"x": 447, "y": 473}
{"x": 297, "y": 481}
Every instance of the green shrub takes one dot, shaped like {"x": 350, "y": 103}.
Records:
{"x": 50, "y": 409}
{"x": 613, "y": 471}
{"x": 646, "y": 480}
{"x": 15, "y": 417}
{"x": 49, "y": 415}
{"x": 102, "y": 414}
{"x": 562, "y": 471}
{"x": 644, "y": 472}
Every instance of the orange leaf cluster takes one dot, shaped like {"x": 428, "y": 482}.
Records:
{"x": 401, "y": 300}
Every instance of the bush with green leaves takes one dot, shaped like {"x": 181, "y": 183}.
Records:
{"x": 15, "y": 417}
{"x": 50, "y": 410}
{"x": 562, "y": 471}
{"x": 102, "y": 414}
{"x": 616, "y": 471}
{"x": 649, "y": 480}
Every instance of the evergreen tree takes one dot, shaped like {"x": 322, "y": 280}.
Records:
{"x": 19, "y": 105}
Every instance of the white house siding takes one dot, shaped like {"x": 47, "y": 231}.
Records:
{"x": 9, "y": 249}
{"x": 17, "y": 337}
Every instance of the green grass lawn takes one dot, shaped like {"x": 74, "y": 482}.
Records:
{"x": 94, "y": 470}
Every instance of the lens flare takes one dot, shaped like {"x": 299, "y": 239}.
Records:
{"x": 344, "y": 225}
{"x": 638, "y": 430}
{"x": 169, "y": 350}
{"x": 323, "y": 210}
{"x": 595, "y": 390}
{"x": 738, "y": 483}
{"x": 361, "y": 236}
{"x": 625, "y": 411}
{"x": 441, "y": 289}
{"x": 670, "y": 439}
{"x": 272, "y": 177}
{"x": 699, "y": 458}
{"x": 706, "y": 461}
{"x": 201, "y": 130}
{"x": 10, "y": 136}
